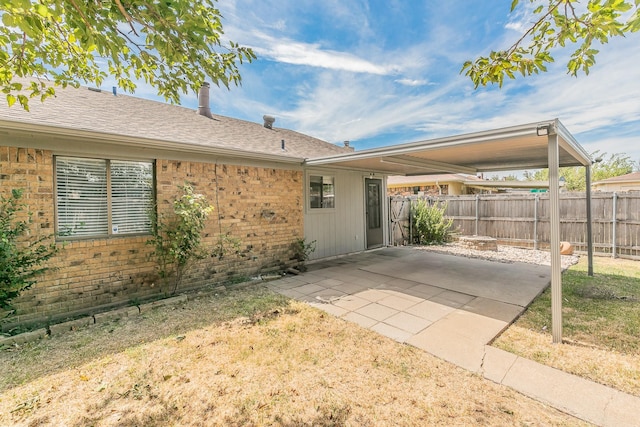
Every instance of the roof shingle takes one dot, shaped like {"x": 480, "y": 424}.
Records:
{"x": 127, "y": 116}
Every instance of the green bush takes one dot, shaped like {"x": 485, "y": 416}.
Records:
{"x": 302, "y": 251}
{"x": 22, "y": 259}
{"x": 176, "y": 238}
{"x": 430, "y": 225}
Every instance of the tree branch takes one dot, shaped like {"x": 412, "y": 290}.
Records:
{"x": 127, "y": 17}
{"x": 82, "y": 15}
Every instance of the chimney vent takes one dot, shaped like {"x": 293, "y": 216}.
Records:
{"x": 348, "y": 146}
{"x": 203, "y": 101}
{"x": 268, "y": 121}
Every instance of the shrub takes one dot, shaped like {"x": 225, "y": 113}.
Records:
{"x": 176, "y": 238}
{"x": 22, "y": 259}
{"x": 429, "y": 222}
{"x": 302, "y": 251}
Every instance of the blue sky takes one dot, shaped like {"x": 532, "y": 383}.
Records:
{"x": 387, "y": 72}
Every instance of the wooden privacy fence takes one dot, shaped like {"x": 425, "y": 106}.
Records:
{"x": 523, "y": 219}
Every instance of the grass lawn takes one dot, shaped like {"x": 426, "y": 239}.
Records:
{"x": 601, "y": 325}
{"x": 246, "y": 357}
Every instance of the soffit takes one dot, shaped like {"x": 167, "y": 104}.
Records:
{"x": 514, "y": 148}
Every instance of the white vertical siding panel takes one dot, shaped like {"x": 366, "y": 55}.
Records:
{"x": 335, "y": 231}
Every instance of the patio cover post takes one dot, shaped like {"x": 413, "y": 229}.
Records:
{"x": 589, "y": 224}
{"x": 554, "y": 223}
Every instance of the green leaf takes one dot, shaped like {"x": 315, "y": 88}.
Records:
{"x": 7, "y": 19}
{"x": 11, "y": 100}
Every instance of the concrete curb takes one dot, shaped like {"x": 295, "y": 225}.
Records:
{"x": 90, "y": 320}
{"x": 582, "y": 398}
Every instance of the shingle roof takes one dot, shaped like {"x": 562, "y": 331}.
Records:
{"x": 633, "y": 177}
{"x": 127, "y": 116}
{"x": 424, "y": 179}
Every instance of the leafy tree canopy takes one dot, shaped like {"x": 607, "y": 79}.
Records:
{"x": 557, "y": 23}
{"x": 575, "y": 179}
{"x": 172, "y": 45}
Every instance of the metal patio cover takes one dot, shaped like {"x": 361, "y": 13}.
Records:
{"x": 545, "y": 144}
{"x": 512, "y": 148}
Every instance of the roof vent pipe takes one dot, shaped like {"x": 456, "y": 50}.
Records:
{"x": 203, "y": 100}
{"x": 348, "y": 146}
{"x": 268, "y": 121}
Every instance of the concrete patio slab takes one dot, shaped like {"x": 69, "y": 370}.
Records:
{"x": 377, "y": 311}
{"x": 493, "y": 309}
{"x": 372, "y": 295}
{"x": 392, "y": 332}
{"x": 494, "y": 280}
{"x": 364, "y": 321}
{"x": 398, "y": 302}
{"x": 424, "y": 291}
{"x": 452, "y": 347}
{"x": 452, "y": 307}
{"x": 309, "y": 288}
{"x": 430, "y": 310}
{"x": 351, "y": 302}
{"x": 408, "y": 322}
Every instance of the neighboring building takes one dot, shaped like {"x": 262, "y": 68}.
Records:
{"x": 628, "y": 182}
{"x": 458, "y": 184}
{"x": 453, "y": 184}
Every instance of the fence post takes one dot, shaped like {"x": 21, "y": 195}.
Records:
{"x": 535, "y": 223}
{"x": 477, "y": 212}
{"x": 410, "y": 222}
{"x": 613, "y": 224}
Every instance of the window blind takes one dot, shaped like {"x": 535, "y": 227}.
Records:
{"x": 131, "y": 196}
{"x": 81, "y": 188}
{"x": 98, "y": 197}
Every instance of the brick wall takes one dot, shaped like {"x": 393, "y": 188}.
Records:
{"x": 260, "y": 207}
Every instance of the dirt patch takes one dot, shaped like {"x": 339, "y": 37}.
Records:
{"x": 603, "y": 292}
{"x": 284, "y": 364}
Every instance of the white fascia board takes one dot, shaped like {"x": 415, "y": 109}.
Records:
{"x": 571, "y": 145}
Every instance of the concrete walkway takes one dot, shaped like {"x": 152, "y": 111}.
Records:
{"x": 452, "y": 307}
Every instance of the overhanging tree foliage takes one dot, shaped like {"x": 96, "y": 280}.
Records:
{"x": 557, "y": 23}
{"x": 172, "y": 45}
{"x": 575, "y": 180}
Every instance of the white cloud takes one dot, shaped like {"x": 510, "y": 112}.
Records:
{"x": 298, "y": 53}
{"x": 413, "y": 82}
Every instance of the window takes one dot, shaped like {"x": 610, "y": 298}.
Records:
{"x": 321, "y": 192}
{"x": 96, "y": 197}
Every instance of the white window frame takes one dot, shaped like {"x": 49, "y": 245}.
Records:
{"x": 310, "y": 190}
{"x": 108, "y": 201}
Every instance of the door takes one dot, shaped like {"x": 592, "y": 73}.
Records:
{"x": 373, "y": 191}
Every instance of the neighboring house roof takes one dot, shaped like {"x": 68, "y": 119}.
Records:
{"x": 633, "y": 177}
{"x": 522, "y": 185}
{"x": 409, "y": 181}
{"x": 136, "y": 119}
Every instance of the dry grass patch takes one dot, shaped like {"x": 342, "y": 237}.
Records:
{"x": 601, "y": 326}
{"x": 286, "y": 365}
